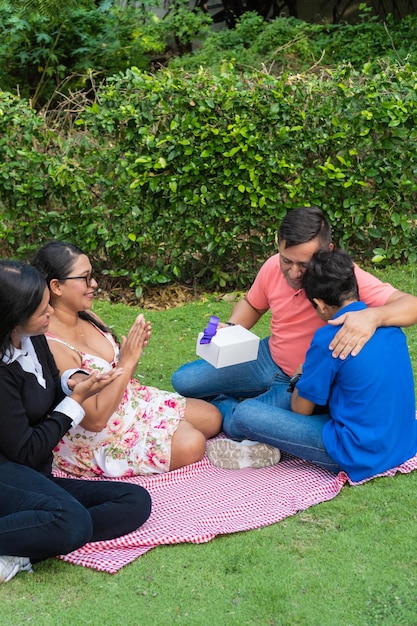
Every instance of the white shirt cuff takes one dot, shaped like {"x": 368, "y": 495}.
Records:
{"x": 64, "y": 379}
{"x": 70, "y": 407}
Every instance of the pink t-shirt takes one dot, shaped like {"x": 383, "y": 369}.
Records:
{"x": 294, "y": 319}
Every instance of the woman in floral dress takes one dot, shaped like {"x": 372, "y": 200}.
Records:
{"x": 129, "y": 429}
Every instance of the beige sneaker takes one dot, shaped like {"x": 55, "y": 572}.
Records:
{"x": 229, "y": 454}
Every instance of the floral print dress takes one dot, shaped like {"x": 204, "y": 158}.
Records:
{"x": 137, "y": 437}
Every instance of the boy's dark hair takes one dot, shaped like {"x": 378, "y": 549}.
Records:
{"x": 304, "y": 224}
{"x": 330, "y": 276}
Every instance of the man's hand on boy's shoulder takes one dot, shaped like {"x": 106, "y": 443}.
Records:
{"x": 357, "y": 327}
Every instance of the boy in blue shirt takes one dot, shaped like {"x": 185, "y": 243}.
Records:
{"x": 371, "y": 426}
{"x": 356, "y": 414}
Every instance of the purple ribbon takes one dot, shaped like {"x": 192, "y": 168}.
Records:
{"x": 210, "y": 330}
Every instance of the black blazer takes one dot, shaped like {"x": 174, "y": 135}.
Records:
{"x": 30, "y": 428}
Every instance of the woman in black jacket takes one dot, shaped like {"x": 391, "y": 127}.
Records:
{"x": 42, "y": 516}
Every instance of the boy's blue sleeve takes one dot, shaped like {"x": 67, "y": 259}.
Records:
{"x": 319, "y": 371}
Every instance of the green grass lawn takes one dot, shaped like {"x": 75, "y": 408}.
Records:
{"x": 348, "y": 562}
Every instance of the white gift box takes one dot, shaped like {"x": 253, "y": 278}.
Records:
{"x": 229, "y": 346}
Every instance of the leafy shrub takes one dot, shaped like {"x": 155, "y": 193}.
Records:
{"x": 41, "y": 52}
{"x": 186, "y": 177}
{"x": 216, "y": 161}
{"x": 24, "y": 182}
{"x": 182, "y": 25}
{"x": 290, "y": 44}
{"x": 252, "y": 44}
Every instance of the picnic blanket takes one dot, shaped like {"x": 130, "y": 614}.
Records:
{"x": 196, "y": 503}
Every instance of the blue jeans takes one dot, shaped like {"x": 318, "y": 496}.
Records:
{"x": 300, "y": 435}
{"x": 199, "y": 379}
{"x": 225, "y": 387}
{"x": 255, "y": 404}
{"x": 42, "y": 516}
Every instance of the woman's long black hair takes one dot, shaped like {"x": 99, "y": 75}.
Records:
{"x": 21, "y": 291}
{"x": 55, "y": 260}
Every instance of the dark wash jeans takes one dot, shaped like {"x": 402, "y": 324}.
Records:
{"x": 42, "y": 517}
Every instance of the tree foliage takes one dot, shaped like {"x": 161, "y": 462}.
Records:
{"x": 290, "y": 44}
{"x": 185, "y": 176}
{"x": 178, "y": 176}
{"x": 47, "y": 53}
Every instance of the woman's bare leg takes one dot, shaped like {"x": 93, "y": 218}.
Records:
{"x": 203, "y": 416}
{"x": 188, "y": 446}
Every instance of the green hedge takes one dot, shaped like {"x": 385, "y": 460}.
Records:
{"x": 185, "y": 177}
{"x": 47, "y": 56}
{"x": 289, "y": 43}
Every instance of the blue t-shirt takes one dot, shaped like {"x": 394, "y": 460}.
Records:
{"x": 371, "y": 399}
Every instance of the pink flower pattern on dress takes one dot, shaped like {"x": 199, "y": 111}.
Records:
{"x": 137, "y": 438}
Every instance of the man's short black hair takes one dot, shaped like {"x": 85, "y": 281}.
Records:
{"x": 304, "y": 224}
{"x": 330, "y": 276}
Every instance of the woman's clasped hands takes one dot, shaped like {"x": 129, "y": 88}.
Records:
{"x": 132, "y": 346}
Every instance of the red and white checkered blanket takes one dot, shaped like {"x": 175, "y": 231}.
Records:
{"x": 198, "y": 502}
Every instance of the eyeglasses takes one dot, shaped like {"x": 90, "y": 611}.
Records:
{"x": 88, "y": 279}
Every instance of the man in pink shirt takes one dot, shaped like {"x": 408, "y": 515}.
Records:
{"x": 277, "y": 288}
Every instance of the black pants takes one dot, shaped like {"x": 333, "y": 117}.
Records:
{"x": 42, "y": 517}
